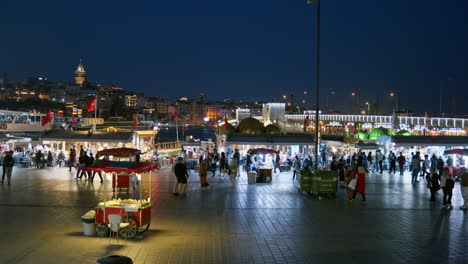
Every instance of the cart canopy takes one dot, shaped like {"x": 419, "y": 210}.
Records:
{"x": 122, "y": 166}
{"x": 118, "y": 152}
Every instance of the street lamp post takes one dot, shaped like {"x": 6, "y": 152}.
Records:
{"x": 368, "y": 107}
{"x": 317, "y": 93}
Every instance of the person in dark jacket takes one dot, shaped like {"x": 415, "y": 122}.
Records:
{"x": 433, "y": 184}
{"x": 181, "y": 173}
{"x": 8, "y": 163}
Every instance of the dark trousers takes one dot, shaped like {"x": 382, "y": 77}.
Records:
{"x": 447, "y": 200}
{"x": 414, "y": 175}
{"x": 433, "y": 193}
{"x": 392, "y": 167}
{"x": 277, "y": 166}
{"x": 294, "y": 174}
{"x": 381, "y": 166}
{"x": 424, "y": 171}
{"x": 94, "y": 174}
{"x": 362, "y": 194}
{"x": 402, "y": 167}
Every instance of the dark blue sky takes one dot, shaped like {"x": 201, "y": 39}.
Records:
{"x": 253, "y": 50}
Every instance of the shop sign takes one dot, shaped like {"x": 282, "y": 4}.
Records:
{"x": 3, "y": 126}
{"x": 94, "y": 121}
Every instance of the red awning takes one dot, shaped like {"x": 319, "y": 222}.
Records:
{"x": 118, "y": 152}
{"x": 123, "y": 167}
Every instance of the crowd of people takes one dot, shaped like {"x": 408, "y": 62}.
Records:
{"x": 352, "y": 170}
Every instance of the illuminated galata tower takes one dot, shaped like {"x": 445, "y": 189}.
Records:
{"x": 80, "y": 74}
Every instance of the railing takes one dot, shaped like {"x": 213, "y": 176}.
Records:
{"x": 409, "y": 120}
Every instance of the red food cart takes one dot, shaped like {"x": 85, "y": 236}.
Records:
{"x": 135, "y": 212}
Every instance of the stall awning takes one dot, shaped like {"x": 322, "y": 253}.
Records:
{"x": 430, "y": 141}
{"x": 294, "y": 139}
{"x": 81, "y": 136}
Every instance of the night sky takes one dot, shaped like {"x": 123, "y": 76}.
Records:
{"x": 247, "y": 49}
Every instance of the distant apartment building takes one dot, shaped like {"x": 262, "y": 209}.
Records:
{"x": 130, "y": 101}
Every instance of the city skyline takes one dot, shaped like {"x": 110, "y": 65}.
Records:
{"x": 258, "y": 51}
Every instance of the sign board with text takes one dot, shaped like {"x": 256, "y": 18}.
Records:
{"x": 94, "y": 121}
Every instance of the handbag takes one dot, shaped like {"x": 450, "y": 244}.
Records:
{"x": 352, "y": 184}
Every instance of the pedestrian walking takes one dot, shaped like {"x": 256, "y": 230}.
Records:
{"x": 415, "y": 167}
{"x": 440, "y": 165}
{"x": 296, "y": 166}
{"x": 61, "y": 158}
{"x": 233, "y": 171}
{"x": 401, "y": 163}
{"x": 236, "y": 156}
{"x": 8, "y": 163}
{"x": 223, "y": 166}
{"x": 350, "y": 182}
{"x": 464, "y": 190}
{"x": 360, "y": 184}
{"x": 426, "y": 164}
{"x": 370, "y": 161}
{"x": 72, "y": 159}
{"x": 447, "y": 184}
{"x": 433, "y": 184}
{"x": 213, "y": 162}
{"x": 81, "y": 169}
{"x": 277, "y": 162}
{"x": 38, "y": 159}
{"x": 381, "y": 160}
{"x": 393, "y": 159}
{"x": 181, "y": 173}
{"x": 341, "y": 171}
{"x": 203, "y": 173}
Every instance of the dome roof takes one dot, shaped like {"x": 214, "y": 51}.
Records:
{"x": 273, "y": 129}
{"x": 250, "y": 125}
{"x": 378, "y": 132}
{"x": 361, "y": 135}
{"x": 403, "y": 133}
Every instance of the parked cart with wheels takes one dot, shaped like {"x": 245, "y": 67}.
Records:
{"x": 136, "y": 213}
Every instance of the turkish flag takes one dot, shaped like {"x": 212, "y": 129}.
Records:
{"x": 91, "y": 104}
{"x": 135, "y": 122}
{"x": 73, "y": 120}
{"x": 47, "y": 118}
{"x": 226, "y": 124}
{"x": 175, "y": 116}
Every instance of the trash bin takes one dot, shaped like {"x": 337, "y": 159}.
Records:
{"x": 89, "y": 227}
{"x": 252, "y": 177}
{"x": 114, "y": 260}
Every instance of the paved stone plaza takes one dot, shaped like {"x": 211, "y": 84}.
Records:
{"x": 263, "y": 223}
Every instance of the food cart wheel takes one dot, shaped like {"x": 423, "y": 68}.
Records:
{"x": 102, "y": 230}
{"x": 143, "y": 228}
{"x": 131, "y": 230}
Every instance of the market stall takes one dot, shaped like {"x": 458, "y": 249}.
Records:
{"x": 264, "y": 163}
{"x": 135, "y": 212}
{"x": 459, "y": 161}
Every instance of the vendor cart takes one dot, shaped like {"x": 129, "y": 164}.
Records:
{"x": 137, "y": 213}
{"x": 318, "y": 183}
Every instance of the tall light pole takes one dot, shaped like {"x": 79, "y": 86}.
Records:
{"x": 368, "y": 107}
{"x": 317, "y": 93}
